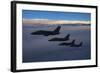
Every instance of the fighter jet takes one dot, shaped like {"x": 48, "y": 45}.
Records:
{"x": 47, "y": 33}
{"x": 76, "y": 45}
{"x": 71, "y": 44}
{"x": 67, "y": 43}
{"x": 60, "y": 39}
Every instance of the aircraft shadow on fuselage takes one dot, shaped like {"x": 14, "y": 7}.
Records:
{"x": 47, "y": 33}
{"x": 66, "y": 38}
{"x": 71, "y": 44}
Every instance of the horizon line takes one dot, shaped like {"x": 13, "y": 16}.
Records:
{"x": 53, "y": 22}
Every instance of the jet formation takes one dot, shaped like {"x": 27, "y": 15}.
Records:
{"x": 56, "y": 31}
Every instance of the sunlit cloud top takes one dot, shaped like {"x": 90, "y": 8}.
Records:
{"x": 52, "y": 22}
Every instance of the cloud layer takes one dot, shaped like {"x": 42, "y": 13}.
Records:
{"x": 52, "y": 22}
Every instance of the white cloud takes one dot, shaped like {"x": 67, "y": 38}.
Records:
{"x": 52, "y": 22}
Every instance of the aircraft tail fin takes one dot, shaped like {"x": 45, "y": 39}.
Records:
{"x": 73, "y": 42}
{"x": 67, "y": 36}
{"x": 81, "y": 43}
{"x": 57, "y": 29}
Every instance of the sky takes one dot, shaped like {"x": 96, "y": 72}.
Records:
{"x": 53, "y": 15}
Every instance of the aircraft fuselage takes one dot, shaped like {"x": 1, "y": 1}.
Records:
{"x": 45, "y": 33}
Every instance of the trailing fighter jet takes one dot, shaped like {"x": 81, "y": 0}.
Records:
{"x": 77, "y": 45}
{"x": 71, "y": 44}
{"x": 47, "y": 33}
{"x": 60, "y": 39}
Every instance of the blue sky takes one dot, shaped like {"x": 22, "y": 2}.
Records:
{"x": 52, "y": 15}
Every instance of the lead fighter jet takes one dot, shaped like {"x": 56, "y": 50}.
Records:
{"x": 47, "y": 33}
